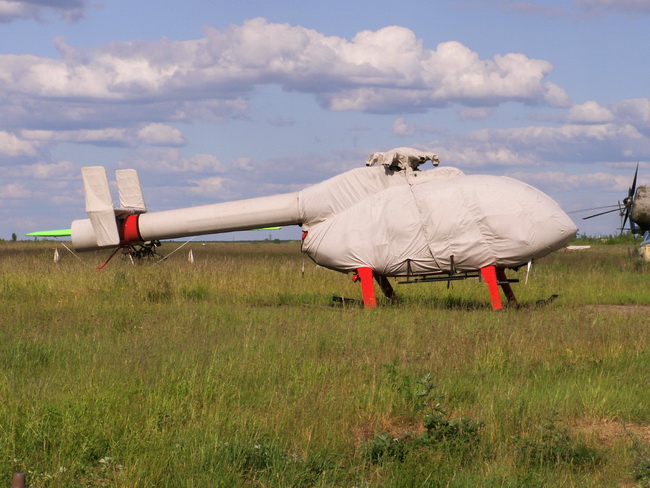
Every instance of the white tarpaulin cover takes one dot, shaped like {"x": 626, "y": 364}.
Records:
{"x": 128, "y": 185}
{"x": 389, "y": 221}
{"x": 99, "y": 206}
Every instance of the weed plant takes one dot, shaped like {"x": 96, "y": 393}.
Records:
{"x": 238, "y": 371}
{"x": 555, "y": 445}
{"x": 454, "y": 437}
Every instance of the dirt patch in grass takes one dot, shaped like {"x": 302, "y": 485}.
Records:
{"x": 610, "y": 432}
{"x": 397, "y": 428}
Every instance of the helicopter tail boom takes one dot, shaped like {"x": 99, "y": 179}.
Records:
{"x": 109, "y": 227}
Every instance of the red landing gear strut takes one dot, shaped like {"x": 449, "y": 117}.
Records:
{"x": 492, "y": 275}
{"x": 365, "y": 275}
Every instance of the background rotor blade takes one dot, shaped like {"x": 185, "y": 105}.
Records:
{"x": 601, "y": 213}
{"x": 627, "y": 214}
{"x": 632, "y": 190}
{"x": 593, "y": 208}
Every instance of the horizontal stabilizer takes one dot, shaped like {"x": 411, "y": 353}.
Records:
{"x": 51, "y": 233}
{"x": 646, "y": 239}
{"x": 99, "y": 206}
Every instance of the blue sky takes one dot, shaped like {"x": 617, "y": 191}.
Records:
{"x": 215, "y": 101}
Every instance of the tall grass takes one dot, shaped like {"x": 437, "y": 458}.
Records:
{"x": 237, "y": 371}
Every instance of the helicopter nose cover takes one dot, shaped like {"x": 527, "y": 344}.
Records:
{"x": 428, "y": 221}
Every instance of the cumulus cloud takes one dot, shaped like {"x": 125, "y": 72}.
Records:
{"x": 624, "y": 114}
{"x": 589, "y": 113}
{"x": 571, "y": 142}
{"x": 209, "y": 187}
{"x": 634, "y": 111}
{"x": 203, "y": 163}
{"x": 243, "y": 163}
{"x": 50, "y": 171}
{"x": 567, "y": 182}
{"x": 405, "y": 76}
{"x": 22, "y": 111}
{"x": 69, "y": 10}
{"x": 161, "y": 135}
{"x": 14, "y": 148}
{"x": 401, "y": 127}
{"x": 172, "y": 161}
{"x": 152, "y": 134}
{"x": 535, "y": 135}
{"x": 542, "y": 145}
{"x": 386, "y": 70}
{"x": 475, "y": 113}
{"x": 555, "y": 96}
{"x": 15, "y": 191}
{"x": 472, "y": 155}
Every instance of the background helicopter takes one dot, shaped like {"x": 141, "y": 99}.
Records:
{"x": 635, "y": 207}
{"x": 388, "y": 219}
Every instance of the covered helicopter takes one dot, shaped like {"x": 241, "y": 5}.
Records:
{"x": 387, "y": 219}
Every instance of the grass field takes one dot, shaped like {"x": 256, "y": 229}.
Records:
{"x": 237, "y": 370}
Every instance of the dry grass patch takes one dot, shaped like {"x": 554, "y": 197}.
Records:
{"x": 611, "y": 432}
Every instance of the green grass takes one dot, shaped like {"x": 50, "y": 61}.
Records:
{"x": 237, "y": 371}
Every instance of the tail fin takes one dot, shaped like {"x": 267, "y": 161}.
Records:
{"x": 106, "y": 224}
{"x": 99, "y": 206}
{"x": 128, "y": 185}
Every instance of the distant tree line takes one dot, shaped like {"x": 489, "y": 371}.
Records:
{"x": 14, "y": 238}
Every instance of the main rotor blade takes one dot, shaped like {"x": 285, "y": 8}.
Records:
{"x": 601, "y": 213}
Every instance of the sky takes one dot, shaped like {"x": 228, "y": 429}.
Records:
{"x": 215, "y": 101}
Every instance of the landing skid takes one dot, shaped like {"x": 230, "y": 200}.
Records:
{"x": 145, "y": 250}
{"x": 493, "y": 277}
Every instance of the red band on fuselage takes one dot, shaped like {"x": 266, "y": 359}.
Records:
{"x": 129, "y": 232}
